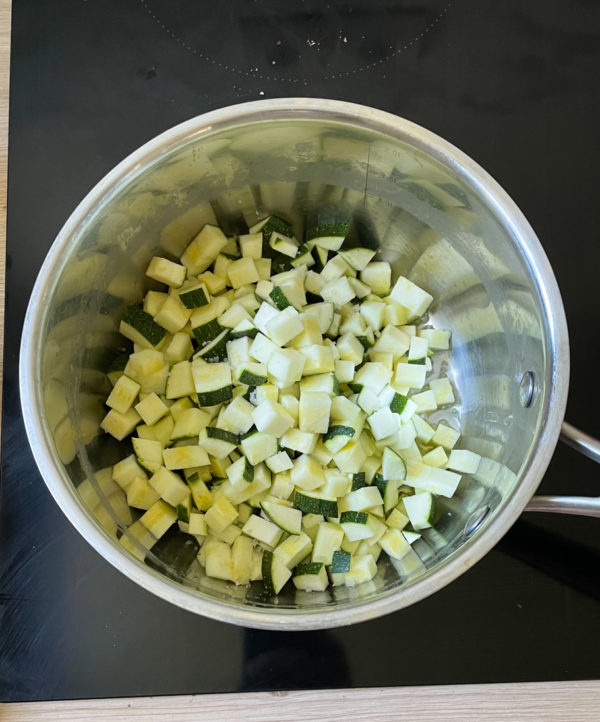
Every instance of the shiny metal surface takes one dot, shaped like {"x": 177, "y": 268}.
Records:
{"x": 434, "y": 213}
{"x": 580, "y": 441}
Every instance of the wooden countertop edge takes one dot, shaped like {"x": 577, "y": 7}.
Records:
{"x": 562, "y": 701}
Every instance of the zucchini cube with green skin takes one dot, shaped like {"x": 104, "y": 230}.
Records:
{"x": 411, "y": 296}
{"x": 217, "y": 442}
{"x": 184, "y": 457}
{"x": 283, "y": 244}
{"x": 393, "y": 466}
{"x": 201, "y": 494}
{"x": 378, "y": 276}
{"x": 123, "y": 395}
{"x": 314, "y": 411}
{"x": 272, "y": 418}
{"x": 169, "y": 486}
{"x": 151, "y": 409}
{"x": 180, "y": 348}
{"x": 251, "y": 373}
{"x": 189, "y": 424}
{"x": 262, "y": 530}
{"x": 274, "y": 573}
{"x": 259, "y": 446}
{"x": 148, "y": 453}
{"x": 212, "y": 382}
{"x": 337, "y": 437}
{"x": 293, "y": 550}
{"x": 310, "y": 577}
{"x": 437, "y": 339}
{"x": 464, "y": 461}
{"x": 194, "y": 295}
{"x": 286, "y": 518}
{"x": 203, "y": 249}
{"x": 285, "y": 366}
{"x": 217, "y": 560}
{"x": 420, "y": 509}
{"x": 220, "y": 515}
{"x": 355, "y": 525}
{"x": 139, "y": 327}
{"x": 445, "y": 436}
{"x": 240, "y": 473}
{"x": 159, "y": 517}
{"x": 120, "y": 425}
{"x": 313, "y": 504}
{"x": 307, "y": 473}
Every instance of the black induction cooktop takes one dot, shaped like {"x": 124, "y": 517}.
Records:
{"x": 516, "y": 86}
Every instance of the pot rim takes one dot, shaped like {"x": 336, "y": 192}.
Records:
{"x": 494, "y": 196}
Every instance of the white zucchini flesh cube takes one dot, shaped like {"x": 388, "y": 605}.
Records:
{"x": 365, "y": 498}
{"x": 368, "y": 400}
{"x": 283, "y": 244}
{"x": 442, "y": 390}
{"x": 323, "y": 312}
{"x": 279, "y": 462}
{"x": 344, "y": 371}
{"x": 144, "y": 540}
{"x": 190, "y": 423}
{"x": 464, "y": 461}
{"x": 337, "y": 484}
{"x": 203, "y": 249}
{"x": 383, "y": 423}
{"x": 418, "y": 348}
{"x": 350, "y": 458}
{"x": 265, "y": 313}
{"x": 210, "y": 377}
{"x": 311, "y": 333}
{"x": 338, "y": 292}
{"x": 378, "y": 276}
{"x": 373, "y": 312}
{"x": 350, "y": 348}
{"x": 283, "y": 327}
{"x": 361, "y": 290}
{"x": 314, "y": 411}
{"x": 335, "y": 268}
{"x": 410, "y": 376}
{"x": 140, "y": 494}
{"x": 394, "y": 544}
{"x": 314, "y": 283}
{"x": 393, "y": 466}
{"x": 282, "y": 486}
{"x": 294, "y": 549}
{"x": 409, "y": 295}
{"x": 318, "y": 359}
{"x": 173, "y": 315}
{"x": 307, "y": 473}
{"x": 373, "y": 376}
{"x": 251, "y": 245}
{"x": 151, "y": 409}
{"x": 242, "y": 272}
{"x": 436, "y": 457}
{"x": 357, "y": 258}
{"x": 342, "y": 409}
{"x": 159, "y": 517}
{"x": 258, "y": 447}
{"x": 429, "y": 478}
{"x": 420, "y": 509}
{"x": 185, "y": 457}
{"x": 262, "y": 348}
{"x": 272, "y": 418}
{"x": 392, "y": 340}
{"x": 425, "y": 401}
{"x": 285, "y": 365}
{"x": 396, "y": 519}
{"x": 297, "y": 440}
{"x": 437, "y": 339}
{"x": 165, "y": 271}
{"x": 424, "y": 431}
{"x": 445, "y": 436}
{"x": 263, "y": 289}
{"x": 123, "y": 394}
{"x": 170, "y": 486}
{"x": 262, "y": 530}
{"x": 180, "y": 348}
{"x": 217, "y": 560}
{"x": 291, "y": 404}
{"x": 394, "y": 314}
{"x": 237, "y": 416}
{"x": 329, "y": 539}
{"x": 241, "y": 559}
{"x": 180, "y": 382}
{"x": 119, "y": 425}
{"x": 126, "y": 470}
{"x": 312, "y": 582}
{"x": 238, "y": 351}
{"x": 221, "y": 514}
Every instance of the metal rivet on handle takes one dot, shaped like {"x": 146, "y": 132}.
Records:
{"x": 526, "y": 389}
{"x": 476, "y": 520}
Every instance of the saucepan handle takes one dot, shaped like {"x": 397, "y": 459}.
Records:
{"x": 583, "y": 505}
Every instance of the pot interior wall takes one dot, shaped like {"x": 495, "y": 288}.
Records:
{"x": 423, "y": 219}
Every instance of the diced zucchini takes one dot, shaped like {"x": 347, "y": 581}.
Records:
{"x": 274, "y": 573}
{"x": 310, "y": 577}
{"x": 286, "y": 518}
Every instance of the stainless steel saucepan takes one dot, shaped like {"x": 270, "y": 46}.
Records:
{"x": 435, "y": 215}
